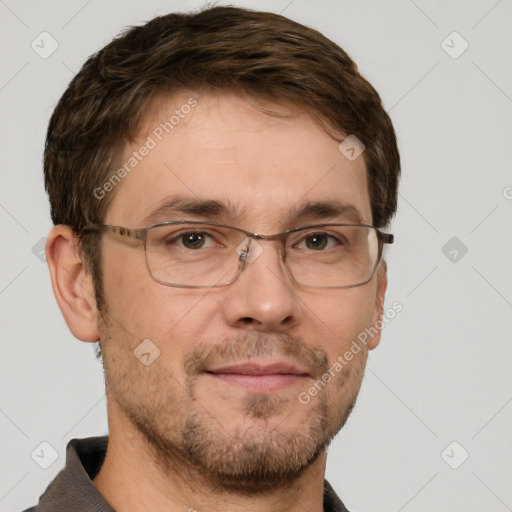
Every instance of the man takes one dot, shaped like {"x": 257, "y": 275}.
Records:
{"x": 217, "y": 183}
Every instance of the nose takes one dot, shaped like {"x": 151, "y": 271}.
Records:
{"x": 262, "y": 298}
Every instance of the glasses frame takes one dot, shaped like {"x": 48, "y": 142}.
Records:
{"x": 142, "y": 233}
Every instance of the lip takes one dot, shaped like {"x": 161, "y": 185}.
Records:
{"x": 258, "y": 377}
{"x": 280, "y": 368}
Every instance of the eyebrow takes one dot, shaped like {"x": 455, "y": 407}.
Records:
{"x": 327, "y": 209}
{"x": 194, "y": 206}
{"x": 213, "y": 209}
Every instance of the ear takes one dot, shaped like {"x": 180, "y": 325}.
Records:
{"x": 382, "y": 284}
{"x": 72, "y": 287}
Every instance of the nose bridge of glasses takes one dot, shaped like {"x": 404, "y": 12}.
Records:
{"x": 252, "y": 247}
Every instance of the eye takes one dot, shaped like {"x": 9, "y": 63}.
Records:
{"x": 192, "y": 240}
{"x": 318, "y": 241}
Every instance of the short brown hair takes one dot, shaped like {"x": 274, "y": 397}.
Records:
{"x": 225, "y": 48}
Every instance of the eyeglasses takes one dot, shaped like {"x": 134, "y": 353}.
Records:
{"x": 192, "y": 254}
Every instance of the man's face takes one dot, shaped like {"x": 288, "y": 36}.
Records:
{"x": 240, "y": 432}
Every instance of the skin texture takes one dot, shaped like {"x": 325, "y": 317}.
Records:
{"x": 179, "y": 437}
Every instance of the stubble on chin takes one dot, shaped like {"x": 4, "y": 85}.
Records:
{"x": 257, "y": 455}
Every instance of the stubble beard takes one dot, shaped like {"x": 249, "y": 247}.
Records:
{"x": 245, "y": 461}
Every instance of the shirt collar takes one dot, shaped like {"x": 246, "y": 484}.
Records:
{"x": 73, "y": 489}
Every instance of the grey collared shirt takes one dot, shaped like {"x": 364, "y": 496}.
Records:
{"x": 72, "y": 489}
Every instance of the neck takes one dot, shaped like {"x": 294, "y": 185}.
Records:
{"x": 132, "y": 478}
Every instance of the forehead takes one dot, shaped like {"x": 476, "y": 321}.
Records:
{"x": 219, "y": 147}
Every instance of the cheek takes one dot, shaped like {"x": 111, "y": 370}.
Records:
{"x": 131, "y": 296}
{"x": 140, "y": 308}
{"x": 344, "y": 314}
{"x": 348, "y": 317}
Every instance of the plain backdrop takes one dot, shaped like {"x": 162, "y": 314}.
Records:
{"x": 431, "y": 429}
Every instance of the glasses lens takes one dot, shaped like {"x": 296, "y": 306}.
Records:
{"x": 189, "y": 254}
{"x": 204, "y": 255}
{"x": 332, "y": 256}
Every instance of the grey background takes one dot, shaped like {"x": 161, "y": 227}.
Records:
{"x": 442, "y": 370}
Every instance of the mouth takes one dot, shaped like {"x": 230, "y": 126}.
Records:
{"x": 259, "y": 377}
